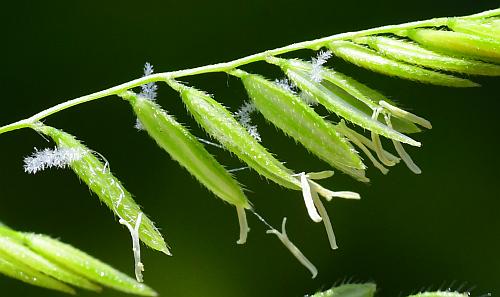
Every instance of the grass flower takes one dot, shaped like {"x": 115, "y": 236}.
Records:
{"x": 436, "y": 51}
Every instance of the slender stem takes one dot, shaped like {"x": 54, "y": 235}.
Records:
{"x": 62, "y": 106}
{"x": 315, "y": 44}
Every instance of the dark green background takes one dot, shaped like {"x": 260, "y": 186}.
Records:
{"x": 408, "y": 232}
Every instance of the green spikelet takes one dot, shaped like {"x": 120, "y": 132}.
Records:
{"x": 107, "y": 187}
{"x": 183, "y": 147}
{"x": 289, "y": 113}
{"x": 369, "y": 59}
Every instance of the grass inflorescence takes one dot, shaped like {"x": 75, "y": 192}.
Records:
{"x": 444, "y": 51}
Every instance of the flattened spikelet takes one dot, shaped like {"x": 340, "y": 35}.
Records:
{"x": 31, "y": 276}
{"x": 369, "y": 59}
{"x": 85, "y": 265}
{"x": 221, "y": 125}
{"x": 289, "y": 113}
{"x": 183, "y": 147}
{"x": 336, "y": 104}
{"x": 457, "y": 43}
{"x": 357, "y": 94}
{"x": 413, "y": 53}
{"x": 16, "y": 251}
{"x": 107, "y": 187}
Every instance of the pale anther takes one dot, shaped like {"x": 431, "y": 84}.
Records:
{"x": 283, "y": 237}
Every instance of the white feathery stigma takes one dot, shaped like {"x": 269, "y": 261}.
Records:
{"x": 317, "y": 65}
{"x": 243, "y": 115}
{"x": 138, "y": 125}
{"x": 149, "y": 89}
{"x": 59, "y": 157}
{"x": 286, "y": 85}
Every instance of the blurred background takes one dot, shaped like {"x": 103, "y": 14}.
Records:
{"x": 436, "y": 230}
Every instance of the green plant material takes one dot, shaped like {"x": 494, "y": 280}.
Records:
{"x": 413, "y": 53}
{"x": 42, "y": 261}
{"x": 362, "y": 97}
{"x": 349, "y": 290}
{"x": 369, "y": 59}
{"x": 221, "y": 125}
{"x": 457, "y": 43}
{"x": 31, "y": 276}
{"x": 107, "y": 187}
{"x": 289, "y": 113}
{"x": 336, "y": 104}
{"x": 85, "y": 265}
{"x": 488, "y": 28}
{"x": 16, "y": 252}
{"x": 183, "y": 147}
{"x": 474, "y": 36}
